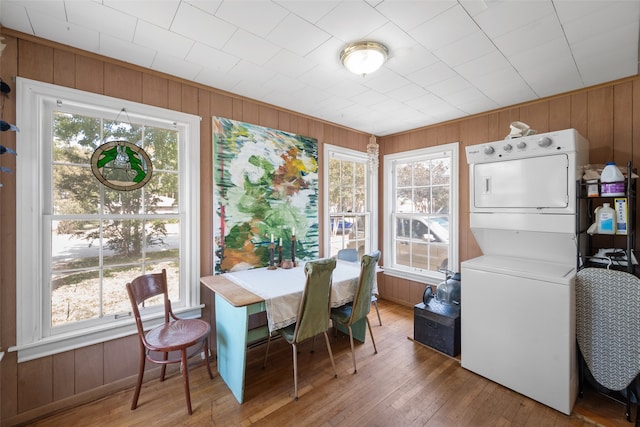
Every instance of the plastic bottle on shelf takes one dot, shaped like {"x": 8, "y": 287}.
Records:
{"x": 612, "y": 181}
{"x": 606, "y": 219}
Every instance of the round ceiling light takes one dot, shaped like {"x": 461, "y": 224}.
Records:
{"x": 364, "y": 57}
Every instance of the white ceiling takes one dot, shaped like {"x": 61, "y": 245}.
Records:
{"x": 448, "y": 58}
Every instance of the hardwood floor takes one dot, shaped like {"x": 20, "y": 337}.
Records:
{"x": 405, "y": 384}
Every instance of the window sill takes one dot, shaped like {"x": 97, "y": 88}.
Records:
{"x": 70, "y": 341}
{"x": 428, "y": 279}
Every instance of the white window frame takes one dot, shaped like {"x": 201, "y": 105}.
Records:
{"x": 336, "y": 152}
{"x": 32, "y": 338}
{"x": 390, "y": 160}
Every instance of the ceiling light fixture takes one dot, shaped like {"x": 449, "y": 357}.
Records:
{"x": 364, "y": 57}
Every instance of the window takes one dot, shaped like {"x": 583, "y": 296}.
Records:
{"x": 421, "y": 208}
{"x": 348, "y": 199}
{"x": 90, "y": 239}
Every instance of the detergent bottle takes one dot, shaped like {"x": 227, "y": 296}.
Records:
{"x": 606, "y": 219}
{"x": 612, "y": 181}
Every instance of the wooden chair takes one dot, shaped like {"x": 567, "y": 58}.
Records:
{"x": 351, "y": 255}
{"x": 189, "y": 337}
{"x": 359, "y": 308}
{"x": 608, "y": 329}
{"x": 313, "y": 313}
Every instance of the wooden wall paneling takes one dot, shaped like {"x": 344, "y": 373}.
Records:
{"x": 89, "y": 367}
{"x": 284, "y": 121}
{"x": 560, "y": 113}
{"x": 155, "y": 90}
{"x": 35, "y": 61}
{"x": 600, "y": 124}
{"x": 237, "y": 109}
{"x": 268, "y": 117}
{"x": 64, "y": 68}
{"x": 9, "y": 385}
{"x": 207, "y": 298}
{"x": 472, "y": 132}
{"x": 206, "y": 183}
{"x": 63, "y": 375}
{"x": 303, "y": 126}
{"x": 623, "y": 123}
{"x": 174, "y": 95}
{"x": 536, "y": 115}
{"x": 446, "y": 134}
{"x": 250, "y": 113}
{"x": 121, "y": 358}
{"x": 189, "y": 102}
{"x": 89, "y": 74}
{"x": 494, "y": 131}
{"x": 35, "y": 383}
{"x": 122, "y": 82}
{"x": 8, "y": 365}
{"x": 221, "y": 106}
{"x": 579, "y": 117}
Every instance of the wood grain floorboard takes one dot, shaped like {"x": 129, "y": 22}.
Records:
{"x": 405, "y": 384}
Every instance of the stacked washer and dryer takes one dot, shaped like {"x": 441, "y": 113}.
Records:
{"x": 518, "y": 310}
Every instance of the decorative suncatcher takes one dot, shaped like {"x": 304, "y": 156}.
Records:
{"x": 266, "y": 190}
{"x": 121, "y": 165}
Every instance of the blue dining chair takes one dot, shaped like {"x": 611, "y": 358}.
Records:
{"x": 351, "y": 255}
{"x": 313, "y": 313}
{"x": 360, "y": 307}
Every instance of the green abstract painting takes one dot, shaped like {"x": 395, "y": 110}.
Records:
{"x": 265, "y": 187}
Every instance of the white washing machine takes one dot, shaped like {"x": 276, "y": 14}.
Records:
{"x": 518, "y": 298}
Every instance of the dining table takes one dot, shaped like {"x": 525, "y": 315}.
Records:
{"x": 240, "y": 294}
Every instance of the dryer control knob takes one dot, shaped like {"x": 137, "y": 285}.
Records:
{"x": 521, "y": 144}
{"x": 544, "y": 142}
{"x": 508, "y": 147}
{"x": 488, "y": 149}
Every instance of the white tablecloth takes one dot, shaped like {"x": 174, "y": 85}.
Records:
{"x": 282, "y": 289}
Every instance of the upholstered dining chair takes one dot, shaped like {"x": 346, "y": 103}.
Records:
{"x": 313, "y": 313}
{"x": 186, "y": 337}
{"x": 359, "y": 308}
{"x": 351, "y": 255}
{"x": 608, "y": 329}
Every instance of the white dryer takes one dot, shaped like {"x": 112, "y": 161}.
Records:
{"x": 518, "y": 298}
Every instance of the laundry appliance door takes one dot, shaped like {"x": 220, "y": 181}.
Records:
{"x": 518, "y": 327}
{"x": 521, "y": 185}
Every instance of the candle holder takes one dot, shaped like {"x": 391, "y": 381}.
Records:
{"x": 280, "y": 254}
{"x": 293, "y": 250}
{"x": 271, "y": 250}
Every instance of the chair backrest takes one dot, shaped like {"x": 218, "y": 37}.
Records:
{"x": 608, "y": 325}
{"x": 145, "y": 287}
{"x": 362, "y": 299}
{"x": 313, "y": 312}
{"x": 348, "y": 254}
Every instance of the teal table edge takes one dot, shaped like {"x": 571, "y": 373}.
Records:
{"x": 232, "y": 338}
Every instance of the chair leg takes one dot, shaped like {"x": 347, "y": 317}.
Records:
{"x": 353, "y": 352}
{"x": 375, "y": 304}
{"x": 207, "y": 355}
{"x": 185, "y": 375}
{"x": 375, "y": 350}
{"x": 295, "y": 369}
{"x": 163, "y": 371}
{"x": 326, "y": 339}
{"x": 136, "y": 394}
{"x": 266, "y": 354}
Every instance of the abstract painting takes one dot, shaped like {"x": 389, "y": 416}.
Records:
{"x": 265, "y": 190}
